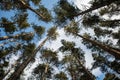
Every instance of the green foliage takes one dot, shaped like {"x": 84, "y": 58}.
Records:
{"x": 49, "y": 55}
{"x": 101, "y": 62}
{"x": 45, "y": 13}
{"x": 61, "y": 76}
{"x": 110, "y": 10}
{"x": 1, "y": 71}
{"x": 36, "y": 2}
{"x": 109, "y": 76}
{"x": 52, "y": 33}
{"x": 40, "y": 69}
{"x": 74, "y": 59}
{"x": 8, "y": 26}
{"x": 73, "y": 62}
{"x": 21, "y": 20}
{"x": 67, "y": 46}
{"x": 39, "y": 30}
{"x": 101, "y": 32}
{"x": 64, "y": 11}
{"x": 90, "y": 20}
{"x": 117, "y": 36}
{"x": 110, "y": 23}
{"x": 5, "y": 51}
{"x": 28, "y": 49}
{"x": 27, "y": 37}
{"x": 115, "y": 65}
{"x": 6, "y": 5}
{"x": 96, "y": 2}
{"x": 72, "y": 28}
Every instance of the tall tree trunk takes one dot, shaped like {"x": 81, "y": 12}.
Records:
{"x": 111, "y": 21}
{"x": 105, "y": 3}
{"x": 16, "y": 36}
{"x": 13, "y": 67}
{"x": 116, "y": 20}
{"x": 20, "y": 69}
{"x": 72, "y": 73}
{"x": 107, "y": 48}
{"x": 90, "y": 76}
{"x": 24, "y": 4}
{"x": 45, "y": 72}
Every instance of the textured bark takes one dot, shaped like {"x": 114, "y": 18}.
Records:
{"x": 24, "y": 4}
{"x": 105, "y": 3}
{"x": 16, "y": 36}
{"x": 20, "y": 69}
{"x": 44, "y": 74}
{"x": 116, "y": 20}
{"x": 107, "y": 48}
{"x": 90, "y": 76}
{"x": 1, "y": 78}
{"x": 72, "y": 73}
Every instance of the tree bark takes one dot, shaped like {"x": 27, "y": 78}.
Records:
{"x": 105, "y": 3}
{"x": 46, "y": 70}
{"x": 24, "y": 4}
{"x": 110, "y": 50}
{"x": 16, "y": 36}
{"x": 116, "y": 20}
{"x": 72, "y": 73}
{"x": 91, "y": 77}
{"x": 20, "y": 69}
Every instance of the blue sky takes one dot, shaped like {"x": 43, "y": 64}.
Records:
{"x": 49, "y": 4}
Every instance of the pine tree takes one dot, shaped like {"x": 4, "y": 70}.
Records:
{"x": 74, "y": 59}
{"x": 17, "y": 33}
{"x": 73, "y": 29}
{"x": 52, "y": 34}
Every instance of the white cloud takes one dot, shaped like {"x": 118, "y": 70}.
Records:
{"x": 80, "y": 3}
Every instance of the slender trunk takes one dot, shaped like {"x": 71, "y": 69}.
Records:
{"x": 13, "y": 67}
{"x": 111, "y": 21}
{"x": 16, "y": 36}
{"x": 24, "y": 4}
{"x": 107, "y": 48}
{"x": 18, "y": 71}
{"x": 90, "y": 76}
{"x": 3, "y": 77}
{"x": 72, "y": 73}
{"x": 105, "y": 3}
{"x": 46, "y": 70}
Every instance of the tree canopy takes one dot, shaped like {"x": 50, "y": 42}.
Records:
{"x": 30, "y": 28}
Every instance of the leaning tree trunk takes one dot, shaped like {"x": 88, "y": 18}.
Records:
{"x": 24, "y": 4}
{"x": 110, "y": 21}
{"x": 20, "y": 69}
{"x": 105, "y": 3}
{"x": 45, "y": 72}
{"x": 90, "y": 76}
{"x": 107, "y": 48}
{"x": 73, "y": 76}
{"x": 16, "y": 36}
